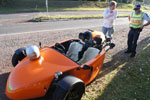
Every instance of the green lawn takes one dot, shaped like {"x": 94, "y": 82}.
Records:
{"x": 125, "y": 80}
{"x": 127, "y": 7}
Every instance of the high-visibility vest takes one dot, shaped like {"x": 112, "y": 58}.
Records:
{"x": 136, "y": 20}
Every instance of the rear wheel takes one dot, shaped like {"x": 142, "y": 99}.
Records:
{"x": 69, "y": 89}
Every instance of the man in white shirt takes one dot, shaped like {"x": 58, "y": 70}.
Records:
{"x": 110, "y": 14}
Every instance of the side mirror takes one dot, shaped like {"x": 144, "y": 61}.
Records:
{"x": 86, "y": 67}
{"x": 40, "y": 44}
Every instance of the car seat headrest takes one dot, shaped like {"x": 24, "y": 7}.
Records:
{"x": 86, "y": 36}
{"x": 81, "y": 36}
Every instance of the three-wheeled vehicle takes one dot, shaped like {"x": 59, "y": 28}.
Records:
{"x": 60, "y": 71}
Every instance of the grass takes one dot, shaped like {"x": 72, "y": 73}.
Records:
{"x": 121, "y": 7}
{"x": 47, "y": 17}
{"x": 128, "y": 81}
{"x": 17, "y": 10}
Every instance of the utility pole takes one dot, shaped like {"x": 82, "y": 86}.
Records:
{"x": 46, "y": 2}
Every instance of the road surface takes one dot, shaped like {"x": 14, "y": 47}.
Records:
{"x": 30, "y": 27}
{"x": 16, "y": 23}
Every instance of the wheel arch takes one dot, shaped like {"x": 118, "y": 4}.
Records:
{"x": 68, "y": 81}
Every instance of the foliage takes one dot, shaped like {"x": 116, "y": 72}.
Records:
{"x": 8, "y": 3}
{"x": 4, "y": 3}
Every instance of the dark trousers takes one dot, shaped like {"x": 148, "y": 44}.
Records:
{"x": 133, "y": 36}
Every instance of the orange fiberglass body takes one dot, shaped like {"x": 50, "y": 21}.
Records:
{"x": 33, "y": 78}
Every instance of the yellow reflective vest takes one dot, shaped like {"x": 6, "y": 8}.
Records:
{"x": 136, "y": 20}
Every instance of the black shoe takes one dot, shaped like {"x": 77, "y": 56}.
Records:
{"x": 127, "y": 52}
{"x": 112, "y": 45}
{"x": 132, "y": 55}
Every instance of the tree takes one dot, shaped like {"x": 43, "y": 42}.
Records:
{"x": 5, "y": 3}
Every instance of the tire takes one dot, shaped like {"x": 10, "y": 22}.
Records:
{"x": 69, "y": 88}
{"x": 18, "y": 56}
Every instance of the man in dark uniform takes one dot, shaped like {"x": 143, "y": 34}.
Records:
{"x": 136, "y": 25}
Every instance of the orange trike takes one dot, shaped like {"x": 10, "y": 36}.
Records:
{"x": 60, "y": 71}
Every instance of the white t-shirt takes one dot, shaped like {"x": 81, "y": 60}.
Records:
{"x": 109, "y": 18}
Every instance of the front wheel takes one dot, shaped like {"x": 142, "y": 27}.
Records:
{"x": 69, "y": 88}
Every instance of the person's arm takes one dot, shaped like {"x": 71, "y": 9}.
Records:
{"x": 106, "y": 14}
{"x": 114, "y": 16}
{"x": 147, "y": 18}
{"x": 146, "y": 24}
{"x": 129, "y": 17}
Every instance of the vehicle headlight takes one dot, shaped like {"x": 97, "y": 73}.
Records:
{"x": 33, "y": 52}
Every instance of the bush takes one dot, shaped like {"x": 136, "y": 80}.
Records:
{"x": 6, "y": 3}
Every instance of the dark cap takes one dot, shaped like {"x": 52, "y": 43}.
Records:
{"x": 137, "y": 7}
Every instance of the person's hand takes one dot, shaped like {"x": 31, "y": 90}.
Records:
{"x": 111, "y": 11}
{"x": 106, "y": 17}
{"x": 141, "y": 28}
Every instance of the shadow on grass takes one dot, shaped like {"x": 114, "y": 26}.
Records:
{"x": 132, "y": 78}
{"x": 3, "y": 80}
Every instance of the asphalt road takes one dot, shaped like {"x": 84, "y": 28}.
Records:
{"x": 53, "y": 25}
{"x": 16, "y": 22}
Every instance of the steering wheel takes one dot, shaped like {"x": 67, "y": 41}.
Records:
{"x": 60, "y": 48}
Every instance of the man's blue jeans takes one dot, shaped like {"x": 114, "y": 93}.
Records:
{"x": 109, "y": 30}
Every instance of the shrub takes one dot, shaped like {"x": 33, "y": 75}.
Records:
{"x": 7, "y": 3}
